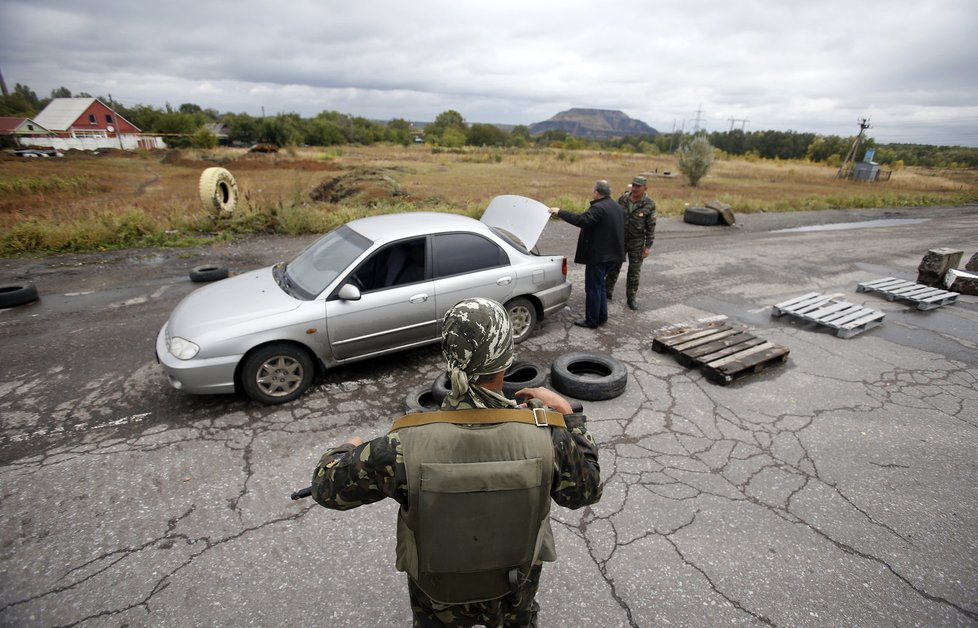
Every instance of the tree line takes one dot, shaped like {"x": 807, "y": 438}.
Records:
{"x": 186, "y": 126}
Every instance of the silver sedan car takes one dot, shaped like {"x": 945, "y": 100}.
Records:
{"x": 373, "y": 286}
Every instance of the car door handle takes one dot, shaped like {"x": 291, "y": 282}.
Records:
{"x": 504, "y": 281}
{"x": 419, "y": 298}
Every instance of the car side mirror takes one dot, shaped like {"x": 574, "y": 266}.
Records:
{"x": 349, "y": 292}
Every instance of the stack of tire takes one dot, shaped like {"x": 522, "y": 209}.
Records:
{"x": 715, "y": 212}
{"x": 578, "y": 375}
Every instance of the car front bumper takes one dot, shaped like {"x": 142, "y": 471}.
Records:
{"x": 196, "y": 376}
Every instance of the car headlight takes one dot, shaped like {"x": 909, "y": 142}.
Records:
{"x": 182, "y": 349}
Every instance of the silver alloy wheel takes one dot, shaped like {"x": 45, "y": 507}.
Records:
{"x": 279, "y": 376}
{"x": 523, "y": 316}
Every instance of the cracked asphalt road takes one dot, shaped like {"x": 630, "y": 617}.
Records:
{"x": 838, "y": 489}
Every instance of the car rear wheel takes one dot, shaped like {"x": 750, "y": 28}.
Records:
{"x": 276, "y": 373}
{"x": 524, "y": 318}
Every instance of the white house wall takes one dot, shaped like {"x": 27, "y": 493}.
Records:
{"x": 125, "y": 142}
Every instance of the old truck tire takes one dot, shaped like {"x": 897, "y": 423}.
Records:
{"x": 17, "y": 294}
{"x": 420, "y": 399}
{"x": 440, "y": 388}
{"x": 218, "y": 191}
{"x": 588, "y": 376}
{"x": 701, "y": 216}
{"x": 208, "y": 273}
{"x": 523, "y": 375}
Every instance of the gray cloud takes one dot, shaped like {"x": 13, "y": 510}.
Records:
{"x": 815, "y": 66}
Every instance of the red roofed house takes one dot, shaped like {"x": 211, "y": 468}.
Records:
{"x": 21, "y": 127}
{"x": 89, "y": 124}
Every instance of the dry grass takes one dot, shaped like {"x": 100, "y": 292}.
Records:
{"x": 85, "y": 201}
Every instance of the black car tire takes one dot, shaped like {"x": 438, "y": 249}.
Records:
{"x": 523, "y": 315}
{"x": 588, "y": 376}
{"x": 276, "y": 373}
{"x": 208, "y": 273}
{"x": 519, "y": 375}
{"x": 523, "y": 375}
{"x": 440, "y": 388}
{"x": 218, "y": 191}
{"x": 701, "y": 216}
{"x": 420, "y": 398}
{"x": 17, "y": 294}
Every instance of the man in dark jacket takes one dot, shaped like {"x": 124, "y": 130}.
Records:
{"x": 600, "y": 246}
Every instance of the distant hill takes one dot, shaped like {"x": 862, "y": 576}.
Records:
{"x": 598, "y": 124}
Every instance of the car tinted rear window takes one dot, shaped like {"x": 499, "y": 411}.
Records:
{"x": 457, "y": 253}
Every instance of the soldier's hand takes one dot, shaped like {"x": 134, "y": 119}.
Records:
{"x": 548, "y": 397}
{"x": 356, "y": 441}
{"x": 645, "y": 252}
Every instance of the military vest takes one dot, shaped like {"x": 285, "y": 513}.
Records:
{"x": 478, "y": 501}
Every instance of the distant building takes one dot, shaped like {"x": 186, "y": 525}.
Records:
{"x": 87, "y": 124}
{"x": 21, "y": 127}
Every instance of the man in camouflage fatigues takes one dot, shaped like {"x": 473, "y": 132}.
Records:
{"x": 639, "y": 235}
{"x": 477, "y": 343}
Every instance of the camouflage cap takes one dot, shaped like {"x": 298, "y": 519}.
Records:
{"x": 640, "y": 180}
{"x": 477, "y": 339}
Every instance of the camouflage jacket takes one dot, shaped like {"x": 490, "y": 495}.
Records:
{"x": 639, "y": 220}
{"x": 348, "y": 476}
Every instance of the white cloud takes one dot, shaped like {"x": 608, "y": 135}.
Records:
{"x": 815, "y": 66}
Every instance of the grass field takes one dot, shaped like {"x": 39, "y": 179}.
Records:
{"x": 122, "y": 199}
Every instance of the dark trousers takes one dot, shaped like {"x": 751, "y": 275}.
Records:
{"x": 595, "y": 299}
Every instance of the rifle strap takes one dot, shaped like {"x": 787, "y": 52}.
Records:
{"x": 541, "y": 417}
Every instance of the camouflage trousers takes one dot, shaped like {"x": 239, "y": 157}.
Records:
{"x": 634, "y": 254}
{"x": 520, "y": 610}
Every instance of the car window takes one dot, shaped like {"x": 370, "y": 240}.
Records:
{"x": 398, "y": 264}
{"x": 324, "y": 260}
{"x": 457, "y": 253}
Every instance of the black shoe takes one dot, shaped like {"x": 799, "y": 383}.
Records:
{"x": 583, "y": 323}
{"x": 632, "y": 305}
{"x": 608, "y": 295}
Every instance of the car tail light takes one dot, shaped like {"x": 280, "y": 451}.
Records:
{"x": 563, "y": 267}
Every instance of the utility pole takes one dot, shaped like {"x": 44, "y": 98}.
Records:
{"x": 845, "y": 170}
{"x": 742, "y": 121}
{"x": 698, "y": 119}
{"x": 3, "y": 85}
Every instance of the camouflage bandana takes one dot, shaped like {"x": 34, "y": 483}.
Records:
{"x": 477, "y": 339}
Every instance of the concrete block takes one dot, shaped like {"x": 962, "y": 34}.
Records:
{"x": 935, "y": 265}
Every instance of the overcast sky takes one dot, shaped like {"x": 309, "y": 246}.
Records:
{"x": 911, "y": 66}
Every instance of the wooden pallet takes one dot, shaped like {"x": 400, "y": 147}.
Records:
{"x": 723, "y": 353}
{"x": 924, "y": 297}
{"x": 846, "y": 319}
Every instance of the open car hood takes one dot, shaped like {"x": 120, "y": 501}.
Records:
{"x": 523, "y": 217}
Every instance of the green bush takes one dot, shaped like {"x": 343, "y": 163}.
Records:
{"x": 695, "y": 159}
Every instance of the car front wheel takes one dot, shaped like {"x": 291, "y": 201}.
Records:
{"x": 276, "y": 373}
{"x": 524, "y": 318}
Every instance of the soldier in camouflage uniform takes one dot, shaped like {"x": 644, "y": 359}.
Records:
{"x": 639, "y": 235}
{"x": 477, "y": 343}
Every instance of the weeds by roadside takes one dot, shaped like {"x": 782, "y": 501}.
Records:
{"x": 87, "y": 202}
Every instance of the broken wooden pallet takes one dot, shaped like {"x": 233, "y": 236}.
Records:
{"x": 830, "y": 310}
{"x": 924, "y": 297}
{"x": 723, "y": 353}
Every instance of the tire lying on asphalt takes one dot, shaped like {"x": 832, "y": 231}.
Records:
{"x": 701, "y": 216}
{"x": 208, "y": 273}
{"x": 17, "y": 294}
{"x": 588, "y": 376}
{"x": 521, "y": 375}
{"x": 420, "y": 398}
{"x": 218, "y": 191}
{"x": 440, "y": 388}
{"x": 276, "y": 373}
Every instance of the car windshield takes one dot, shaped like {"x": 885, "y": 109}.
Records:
{"x": 323, "y": 261}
